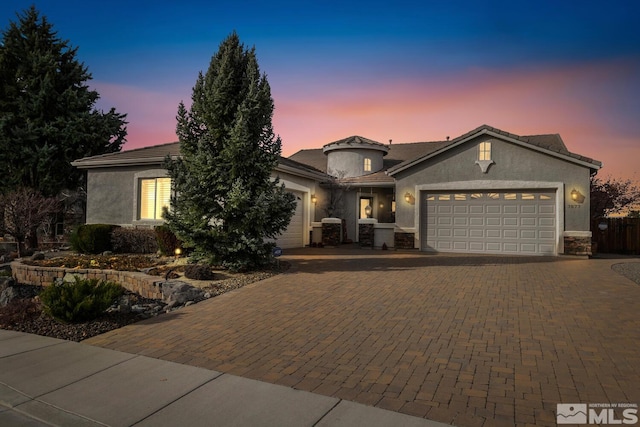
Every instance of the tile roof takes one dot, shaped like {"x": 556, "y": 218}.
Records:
{"x": 355, "y": 141}
{"x": 314, "y": 161}
{"x": 156, "y": 154}
{"x": 411, "y": 152}
{"x": 144, "y": 155}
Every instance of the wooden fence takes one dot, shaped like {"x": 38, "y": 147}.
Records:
{"x": 622, "y": 236}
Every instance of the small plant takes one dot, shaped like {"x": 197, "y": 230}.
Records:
{"x": 134, "y": 240}
{"x": 198, "y": 272}
{"x": 92, "y": 238}
{"x": 79, "y": 301}
{"x": 167, "y": 241}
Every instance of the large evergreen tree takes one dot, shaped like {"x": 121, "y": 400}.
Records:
{"x": 47, "y": 111}
{"x": 224, "y": 203}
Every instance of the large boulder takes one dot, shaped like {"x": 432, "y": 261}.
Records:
{"x": 7, "y": 295}
{"x": 175, "y": 292}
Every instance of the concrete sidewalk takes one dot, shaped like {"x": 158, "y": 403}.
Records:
{"x": 46, "y": 381}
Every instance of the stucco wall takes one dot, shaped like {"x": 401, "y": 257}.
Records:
{"x": 110, "y": 196}
{"x": 512, "y": 163}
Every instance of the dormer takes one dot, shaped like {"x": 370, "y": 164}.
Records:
{"x": 354, "y": 156}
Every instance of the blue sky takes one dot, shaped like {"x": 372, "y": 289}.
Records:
{"x": 407, "y": 71}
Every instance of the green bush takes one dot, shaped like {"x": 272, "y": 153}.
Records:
{"x": 167, "y": 241}
{"x": 92, "y": 238}
{"x": 81, "y": 300}
{"x": 134, "y": 240}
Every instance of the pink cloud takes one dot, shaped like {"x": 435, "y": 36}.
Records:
{"x": 576, "y": 102}
{"x": 151, "y": 116}
{"x": 584, "y": 104}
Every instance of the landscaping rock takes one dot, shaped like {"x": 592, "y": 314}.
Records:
{"x": 6, "y": 281}
{"x": 198, "y": 272}
{"x": 38, "y": 256}
{"x": 124, "y": 304}
{"x": 7, "y": 295}
{"x": 69, "y": 278}
{"x": 175, "y": 292}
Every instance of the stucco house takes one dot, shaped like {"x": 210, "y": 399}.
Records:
{"x": 487, "y": 191}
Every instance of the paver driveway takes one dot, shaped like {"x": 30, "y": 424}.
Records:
{"x": 468, "y": 340}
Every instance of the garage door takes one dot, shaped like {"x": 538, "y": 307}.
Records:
{"x": 294, "y": 234}
{"x": 514, "y": 222}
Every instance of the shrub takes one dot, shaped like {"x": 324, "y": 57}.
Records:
{"x": 80, "y": 300}
{"x": 167, "y": 241}
{"x": 92, "y": 238}
{"x": 134, "y": 240}
{"x": 198, "y": 272}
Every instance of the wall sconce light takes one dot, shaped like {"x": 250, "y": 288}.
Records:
{"x": 314, "y": 199}
{"x": 576, "y": 196}
{"x": 368, "y": 210}
{"x": 408, "y": 197}
{"x": 381, "y": 206}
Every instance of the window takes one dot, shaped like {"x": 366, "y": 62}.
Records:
{"x": 367, "y": 164}
{"x": 155, "y": 193}
{"x": 484, "y": 151}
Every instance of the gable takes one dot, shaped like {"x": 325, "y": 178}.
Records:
{"x": 547, "y": 145}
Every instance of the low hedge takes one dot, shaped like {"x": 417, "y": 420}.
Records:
{"x": 134, "y": 240}
{"x": 92, "y": 238}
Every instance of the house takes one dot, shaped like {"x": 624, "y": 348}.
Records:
{"x": 487, "y": 191}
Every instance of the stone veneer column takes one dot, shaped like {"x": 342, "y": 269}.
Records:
{"x": 577, "y": 243}
{"x": 331, "y": 231}
{"x": 404, "y": 240}
{"x": 366, "y": 230}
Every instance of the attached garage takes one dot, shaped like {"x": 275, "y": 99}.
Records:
{"x": 496, "y": 222}
{"x": 293, "y": 237}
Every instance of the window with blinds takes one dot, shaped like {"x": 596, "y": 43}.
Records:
{"x": 155, "y": 193}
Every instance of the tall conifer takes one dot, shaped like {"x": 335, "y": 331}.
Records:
{"x": 225, "y": 203}
{"x": 47, "y": 110}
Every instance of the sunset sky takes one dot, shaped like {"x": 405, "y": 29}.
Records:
{"x": 403, "y": 70}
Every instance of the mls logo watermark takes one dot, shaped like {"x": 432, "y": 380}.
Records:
{"x": 597, "y": 413}
{"x": 571, "y": 413}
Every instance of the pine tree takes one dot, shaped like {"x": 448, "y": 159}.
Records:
{"x": 225, "y": 203}
{"x": 47, "y": 111}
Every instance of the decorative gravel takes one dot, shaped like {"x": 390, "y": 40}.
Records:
{"x": 630, "y": 270}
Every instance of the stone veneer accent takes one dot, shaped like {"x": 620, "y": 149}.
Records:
{"x": 365, "y": 233}
{"x": 331, "y": 233}
{"x": 146, "y": 285}
{"x": 404, "y": 240}
{"x": 577, "y": 245}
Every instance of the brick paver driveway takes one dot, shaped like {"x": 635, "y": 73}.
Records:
{"x": 469, "y": 340}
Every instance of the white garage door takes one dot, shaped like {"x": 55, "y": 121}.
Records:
{"x": 293, "y": 237}
{"x": 514, "y": 222}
